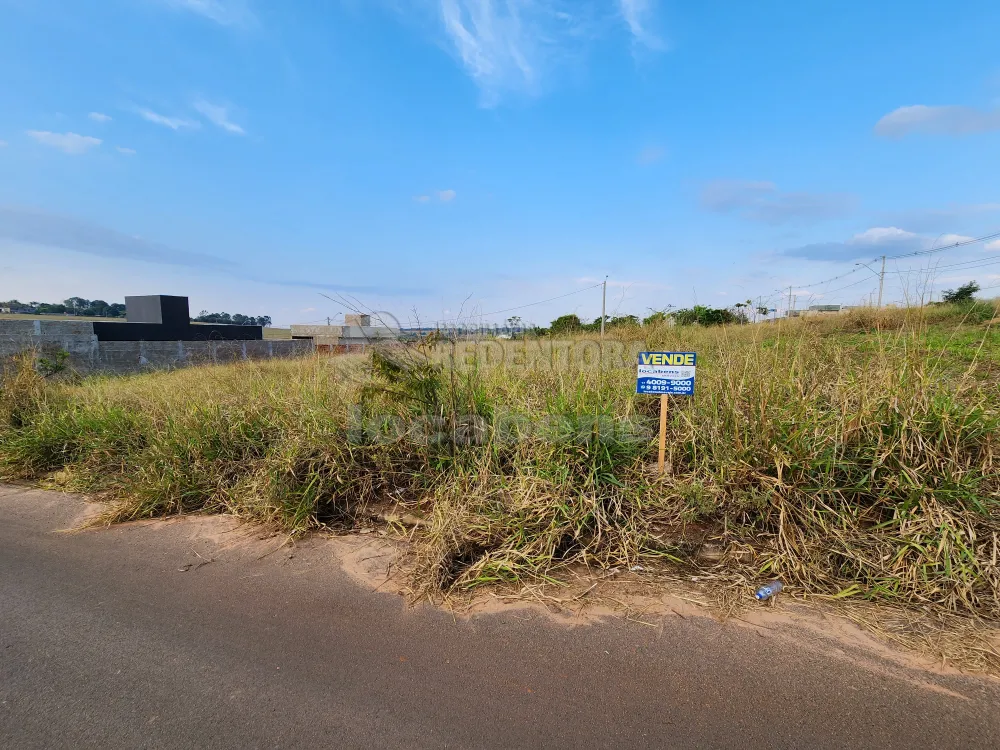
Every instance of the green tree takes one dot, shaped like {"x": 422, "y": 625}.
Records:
{"x": 239, "y": 319}
{"x": 76, "y": 304}
{"x": 655, "y": 317}
{"x": 96, "y": 308}
{"x": 964, "y": 293}
{"x": 565, "y": 324}
{"x": 709, "y": 316}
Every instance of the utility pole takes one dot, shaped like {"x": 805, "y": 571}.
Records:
{"x": 788, "y": 314}
{"x": 328, "y": 321}
{"x": 881, "y": 281}
{"x": 604, "y": 304}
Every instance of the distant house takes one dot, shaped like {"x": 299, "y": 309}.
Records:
{"x": 355, "y": 335}
{"x": 815, "y": 310}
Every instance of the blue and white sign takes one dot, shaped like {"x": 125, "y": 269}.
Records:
{"x": 666, "y": 372}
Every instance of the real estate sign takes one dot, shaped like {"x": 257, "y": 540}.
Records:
{"x": 666, "y": 373}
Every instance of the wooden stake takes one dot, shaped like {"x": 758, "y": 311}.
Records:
{"x": 663, "y": 432}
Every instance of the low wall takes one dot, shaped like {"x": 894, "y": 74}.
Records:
{"x": 89, "y": 355}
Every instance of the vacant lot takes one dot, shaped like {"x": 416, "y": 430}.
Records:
{"x": 853, "y": 457}
{"x": 277, "y": 333}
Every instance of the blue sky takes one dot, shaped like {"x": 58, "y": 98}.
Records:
{"x": 438, "y": 157}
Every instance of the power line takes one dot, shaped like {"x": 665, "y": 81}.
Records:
{"x": 834, "y": 291}
{"x": 820, "y": 283}
{"x": 970, "y": 264}
{"x": 974, "y": 263}
{"x": 963, "y": 243}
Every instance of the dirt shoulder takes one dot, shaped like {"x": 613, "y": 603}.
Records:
{"x": 905, "y": 643}
{"x": 202, "y": 631}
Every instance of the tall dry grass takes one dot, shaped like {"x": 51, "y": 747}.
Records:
{"x": 852, "y": 459}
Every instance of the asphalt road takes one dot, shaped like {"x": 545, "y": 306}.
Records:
{"x": 129, "y": 637}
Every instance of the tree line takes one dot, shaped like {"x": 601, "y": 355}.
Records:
{"x": 236, "y": 319}
{"x": 738, "y": 314}
{"x": 98, "y": 308}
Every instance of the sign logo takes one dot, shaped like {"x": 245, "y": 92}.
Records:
{"x": 670, "y": 373}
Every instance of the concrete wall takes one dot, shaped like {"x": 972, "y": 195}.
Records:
{"x": 325, "y": 337}
{"x": 324, "y": 332}
{"x": 88, "y": 355}
{"x": 357, "y": 334}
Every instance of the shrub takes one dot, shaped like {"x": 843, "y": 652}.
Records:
{"x": 708, "y": 316}
{"x": 964, "y": 293}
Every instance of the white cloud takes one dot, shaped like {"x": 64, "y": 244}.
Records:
{"x": 876, "y": 241}
{"x": 493, "y": 44}
{"x": 944, "y": 120}
{"x": 516, "y": 47}
{"x": 638, "y": 15}
{"x": 993, "y": 246}
{"x": 651, "y": 155}
{"x": 225, "y": 12}
{"x": 764, "y": 202}
{"x": 938, "y": 219}
{"x": 126, "y": 151}
{"x": 174, "y": 123}
{"x": 218, "y": 116}
{"x": 34, "y": 227}
{"x": 951, "y": 239}
{"x": 99, "y": 117}
{"x": 729, "y": 195}
{"x": 445, "y": 196}
{"x": 70, "y": 143}
{"x": 879, "y": 235}
{"x": 512, "y": 45}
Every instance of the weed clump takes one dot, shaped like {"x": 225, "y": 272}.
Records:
{"x": 21, "y": 390}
